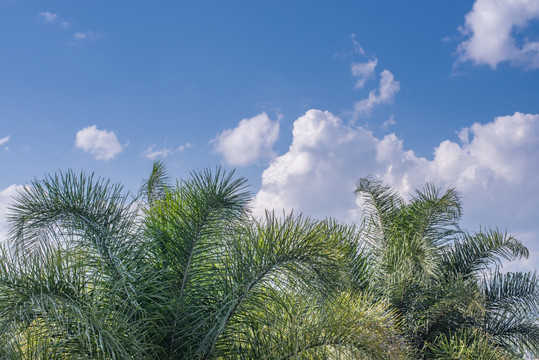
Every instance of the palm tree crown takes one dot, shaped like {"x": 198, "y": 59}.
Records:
{"x": 185, "y": 271}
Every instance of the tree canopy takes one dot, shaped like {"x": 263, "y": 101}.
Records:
{"x": 185, "y": 271}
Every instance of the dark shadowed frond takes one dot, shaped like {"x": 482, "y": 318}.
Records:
{"x": 512, "y": 301}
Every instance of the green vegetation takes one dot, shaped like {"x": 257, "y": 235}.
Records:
{"x": 185, "y": 272}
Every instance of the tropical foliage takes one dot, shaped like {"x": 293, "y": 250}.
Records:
{"x": 184, "y": 271}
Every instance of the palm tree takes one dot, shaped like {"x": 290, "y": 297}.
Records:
{"x": 181, "y": 272}
{"x": 445, "y": 283}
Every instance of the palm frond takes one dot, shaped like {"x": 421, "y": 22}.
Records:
{"x": 52, "y": 304}
{"x": 473, "y": 253}
{"x": 469, "y": 344}
{"x": 512, "y": 301}
{"x": 295, "y": 325}
{"x": 381, "y": 205}
{"x": 433, "y": 215}
{"x": 153, "y": 188}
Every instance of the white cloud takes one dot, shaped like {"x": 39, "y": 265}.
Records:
{"x": 496, "y": 171}
{"x": 89, "y": 35}
{"x": 389, "y": 122}
{"x": 249, "y": 142}
{"x": 5, "y": 198}
{"x": 492, "y": 26}
{"x": 102, "y": 144}
{"x": 385, "y": 94}
{"x": 363, "y": 71}
{"x": 48, "y": 16}
{"x": 357, "y": 47}
{"x": 153, "y": 153}
{"x": 65, "y": 24}
{"x": 4, "y": 140}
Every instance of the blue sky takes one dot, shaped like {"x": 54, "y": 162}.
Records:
{"x": 301, "y": 97}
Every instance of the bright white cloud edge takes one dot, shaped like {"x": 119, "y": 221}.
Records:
{"x": 249, "y": 142}
{"x": 489, "y": 28}
{"x": 102, "y": 144}
{"x": 494, "y": 167}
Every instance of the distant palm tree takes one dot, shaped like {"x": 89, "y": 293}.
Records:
{"x": 446, "y": 283}
{"x": 182, "y": 272}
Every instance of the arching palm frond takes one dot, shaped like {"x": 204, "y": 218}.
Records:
{"x": 471, "y": 254}
{"x": 382, "y": 204}
{"x": 78, "y": 211}
{"x": 154, "y": 188}
{"x": 282, "y": 254}
{"x": 54, "y": 306}
{"x": 512, "y": 308}
{"x": 433, "y": 215}
{"x": 439, "y": 278}
{"x": 186, "y": 230}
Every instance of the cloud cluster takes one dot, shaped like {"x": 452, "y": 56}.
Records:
{"x": 494, "y": 167}
{"x": 249, "y": 142}
{"x": 491, "y": 28}
{"x": 102, "y": 144}
{"x": 4, "y": 140}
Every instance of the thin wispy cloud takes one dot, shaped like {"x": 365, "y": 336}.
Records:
{"x": 363, "y": 72}
{"x": 384, "y": 94}
{"x": 152, "y": 153}
{"x": 89, "y": 35}
{"x": 4, "y": 140}
{"x": 48, "y": 16}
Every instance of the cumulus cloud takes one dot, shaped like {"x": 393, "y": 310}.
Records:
{"x": 4, "y": 140}
{"x": 385, "y": 94}
{"x": 249, "y": 142}
{"x": 48, "y": 16}
{"x": 491, "y": 29}
{"x": 363, "y": 72}
{"x": 495, "y": 170}
{"x": 102, "y": 144}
